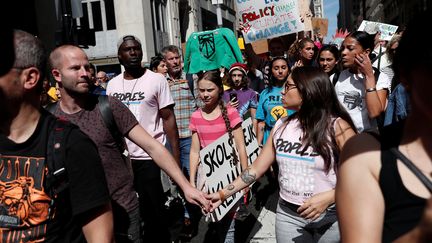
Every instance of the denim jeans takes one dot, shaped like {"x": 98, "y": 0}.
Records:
{"x": 291, "y": 227}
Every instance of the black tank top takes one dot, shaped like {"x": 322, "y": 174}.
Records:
{"x": 403, "y": 210}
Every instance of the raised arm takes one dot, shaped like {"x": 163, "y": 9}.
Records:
{"x": 376, "y": 100}
{"x": 360, "y": 203}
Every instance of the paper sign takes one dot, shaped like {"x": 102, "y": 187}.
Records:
{"x": 219, "y": 170}
{"x": 320, "y": 25}
{"x": 266, "y": 19}
{"x": 387, "y": 30}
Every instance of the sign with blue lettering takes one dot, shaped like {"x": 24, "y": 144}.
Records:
{"x": 219, "y": 169}
{"x": 266, "y": 19}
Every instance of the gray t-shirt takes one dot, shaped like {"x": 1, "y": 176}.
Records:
{"x": 118, "y": 173}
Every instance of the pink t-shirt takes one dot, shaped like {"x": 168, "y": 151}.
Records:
{"x": 210, "y": 130}
{"x": 300, "y": 176}
{"x": 144, "y": 96}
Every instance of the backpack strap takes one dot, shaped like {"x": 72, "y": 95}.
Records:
{"x": 57, "y": 180}
{"x": 108, "y": 119}
{"x": 51, "y": 107}
{"x": 335, "y": 78}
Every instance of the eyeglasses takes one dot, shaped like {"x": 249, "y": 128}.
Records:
{"x": 289, "y": 86}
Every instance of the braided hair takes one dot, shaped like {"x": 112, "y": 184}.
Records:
{"x": 214, "y": 77}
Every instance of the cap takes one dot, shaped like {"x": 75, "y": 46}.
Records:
{"x": 125, "y": 38}
{"x": 239, "y": 66}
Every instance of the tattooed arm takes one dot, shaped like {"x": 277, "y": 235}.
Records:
{"x": 248, "y": 176}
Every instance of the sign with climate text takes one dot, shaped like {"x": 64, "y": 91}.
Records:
{"x": 219, "y": 169}
{"x": 266, "y": 19}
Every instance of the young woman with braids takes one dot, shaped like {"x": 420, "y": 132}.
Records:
{"x": 306, "y": 146}
{"x": 207, "y": 124}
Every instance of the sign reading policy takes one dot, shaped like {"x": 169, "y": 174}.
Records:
{"x": 265, "y": 19}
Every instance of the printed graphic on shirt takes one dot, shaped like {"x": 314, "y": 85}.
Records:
{"x": 131, "y": 100}
{"x": 207, "y": 45}
{"x": 353, "y": 100}
{"x": 278, "y": 112}
{"x": 24, "y": 206}
{"x": 298, "y": 166}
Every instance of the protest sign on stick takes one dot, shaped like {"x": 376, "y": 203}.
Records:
{"x": 267, "y": 19}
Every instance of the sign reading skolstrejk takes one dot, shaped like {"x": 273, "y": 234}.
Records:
{"x": 219, "y": 169}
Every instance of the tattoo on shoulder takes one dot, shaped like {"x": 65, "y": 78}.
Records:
{"x": 247, "y": 177}
{"x": 230, "y": 187}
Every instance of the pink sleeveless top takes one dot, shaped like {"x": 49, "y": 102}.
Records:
{"x": 300, "y": 176}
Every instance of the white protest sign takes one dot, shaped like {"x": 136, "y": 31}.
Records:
{"x": 266, "y": 19}
{"x": 387, "y": 30}
{"x": 219, "y": 170}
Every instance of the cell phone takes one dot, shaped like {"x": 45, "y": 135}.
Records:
{"x": 233, "y": 96}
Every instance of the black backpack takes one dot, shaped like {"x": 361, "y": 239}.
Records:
{"x": 56, "y": 151}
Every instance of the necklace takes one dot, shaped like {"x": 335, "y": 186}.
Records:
{"x": 131, "y": 92}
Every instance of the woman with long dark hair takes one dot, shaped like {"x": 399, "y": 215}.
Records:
{"x": 360, "y": 92}
{"x": 328, "y": 59}
{"x": 270, "y": 107}
{"x": 306, "y": 146}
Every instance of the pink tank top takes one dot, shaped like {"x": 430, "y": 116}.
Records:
{"x": 300, "y": 176}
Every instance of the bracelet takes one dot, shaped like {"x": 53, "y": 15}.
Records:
{"x": 371, "y": 90}
{"x": 221, "y": 195}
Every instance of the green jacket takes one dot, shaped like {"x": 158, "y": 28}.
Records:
{"x": 210, "y": 50}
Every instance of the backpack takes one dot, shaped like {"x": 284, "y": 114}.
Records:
{"x": 56, "y": 150}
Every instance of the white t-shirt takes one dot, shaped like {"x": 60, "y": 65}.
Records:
{"x": 144, "y": 96}
{"x": 351, "y": 92}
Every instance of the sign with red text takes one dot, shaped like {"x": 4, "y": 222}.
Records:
{"x": 219, "y": 169}
{"x": 266, "y": 19}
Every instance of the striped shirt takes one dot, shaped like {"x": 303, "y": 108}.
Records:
{"x": 210, "y": 130}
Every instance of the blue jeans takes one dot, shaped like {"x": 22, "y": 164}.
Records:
{"x": 185, "y": 145}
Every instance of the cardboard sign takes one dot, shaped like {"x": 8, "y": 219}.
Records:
{"x": 387, "y": 30}
{"x": 260, "y": 46}
{"x": 320, "y": 25}
{"x": 266, "y": 19}
{"x": 219, "y": 169}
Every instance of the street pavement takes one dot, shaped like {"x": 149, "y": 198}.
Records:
{"x": 257, "y": 227}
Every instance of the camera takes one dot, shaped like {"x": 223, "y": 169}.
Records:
{"x": 233, "y": 96}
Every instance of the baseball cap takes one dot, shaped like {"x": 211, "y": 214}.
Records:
{"x": 125, "y": 38}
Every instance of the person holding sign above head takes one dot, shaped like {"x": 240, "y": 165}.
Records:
{"x": 306, "y": 146}
{"x": 207, "y": 124}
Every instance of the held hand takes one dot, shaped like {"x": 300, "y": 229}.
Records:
{"x": 314, "y": 206}
{"x": 234, "y": 103}
{"x": 299, "y": 63}
{"x": 215, "y": 200}
{"x": 197, "y": 197}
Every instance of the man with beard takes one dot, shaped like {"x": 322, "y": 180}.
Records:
{"x": 70, "y": 67}
{"x": 148, "y": 96}
{"x": 44, "y": 199}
